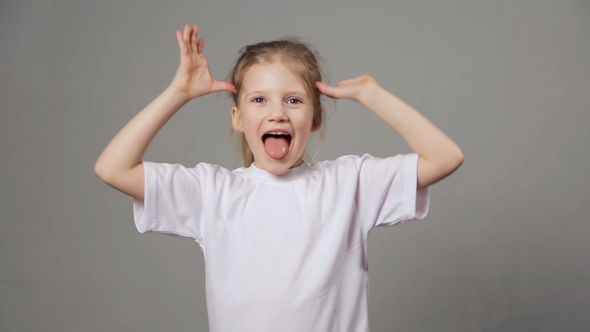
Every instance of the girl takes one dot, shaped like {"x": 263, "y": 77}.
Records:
{"x": 284, "y": 240}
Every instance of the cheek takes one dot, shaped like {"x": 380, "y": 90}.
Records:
{"x": 251, "y": 123}
{"x": 251, "y": 126}
{"x": 306, "y": 121}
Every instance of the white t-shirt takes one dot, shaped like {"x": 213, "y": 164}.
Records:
{"x": 288, "y": 252}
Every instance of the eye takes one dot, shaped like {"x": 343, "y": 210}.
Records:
{"x": 258, "y": 100}
{"x": 294, "y": 101}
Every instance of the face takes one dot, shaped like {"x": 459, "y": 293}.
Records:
{"x": 276, "y": 116}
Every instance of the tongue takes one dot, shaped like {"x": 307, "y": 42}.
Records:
{"x": 276, "y": 147}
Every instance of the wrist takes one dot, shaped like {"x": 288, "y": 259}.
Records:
{"x": 370, "y": 95}
{"x": 176, "y": 94}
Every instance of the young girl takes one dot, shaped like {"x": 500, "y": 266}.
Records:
{"x": 284, "y": 240}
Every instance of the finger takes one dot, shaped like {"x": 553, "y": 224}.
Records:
{"x": 194, "y": 38}
{"x": 328, "y": 90}
{"x": 200, "y": 46}
{"x": 181, "y": 43}
{"x": 187, "y": 37}
{"x": 353, "y": 80}
{"x": 346, "y": 83}
{"x": 223, "y": 86}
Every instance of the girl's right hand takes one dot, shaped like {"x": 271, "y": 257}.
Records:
{"x": 193, "y": 77}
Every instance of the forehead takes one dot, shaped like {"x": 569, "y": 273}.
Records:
{"x": 271, "y": 77}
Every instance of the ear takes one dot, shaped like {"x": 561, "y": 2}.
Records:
{"x": 316, "y": 123}
{"x": 236, "y": 119}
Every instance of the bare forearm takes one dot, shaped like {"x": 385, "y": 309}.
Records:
{"x": 120, "y": 164}
{"x": 421, "y": 135}
{"x": 128, "y": 147}
{"x": 439, "y": 155}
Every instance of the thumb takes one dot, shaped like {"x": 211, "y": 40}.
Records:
{"x": 328, "y": 90}
{"x": 223, "y": 86}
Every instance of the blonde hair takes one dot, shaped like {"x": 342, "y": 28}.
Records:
{"x": 300, "y": 58}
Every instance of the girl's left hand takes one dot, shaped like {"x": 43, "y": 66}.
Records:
{"x": 354, "y": 88}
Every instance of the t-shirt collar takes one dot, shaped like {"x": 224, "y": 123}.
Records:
{"x": 291, "y": 174}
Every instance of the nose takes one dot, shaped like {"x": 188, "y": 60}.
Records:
{"x": 278, "y": 113}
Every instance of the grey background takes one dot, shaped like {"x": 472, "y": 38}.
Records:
{"x": 504, "y": 248}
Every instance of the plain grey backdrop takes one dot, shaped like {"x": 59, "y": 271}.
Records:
{"x": 505, "y": 247}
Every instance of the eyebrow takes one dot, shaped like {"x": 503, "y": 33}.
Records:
{"x": 263, "y": 92}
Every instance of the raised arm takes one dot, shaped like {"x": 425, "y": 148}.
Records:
{"x": 120, "y": 164}
{"x": 439, "y": 155}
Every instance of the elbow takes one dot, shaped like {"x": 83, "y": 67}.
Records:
{"x": 455, "y": 160}
{"x": 432, "y": 171}
{"x": 99, "y": 171}
{"x": 102, "y": 172}
{"x": 451, "y": 162}
{"x": 459, "y": 158}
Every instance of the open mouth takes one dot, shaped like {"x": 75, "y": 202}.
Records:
{"x": 276, "y": 143}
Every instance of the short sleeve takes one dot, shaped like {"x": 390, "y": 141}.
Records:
{"x": 387, "y": 190}
{"x": 173, "y": 201}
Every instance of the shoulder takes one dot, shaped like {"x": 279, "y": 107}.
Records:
{"x": 343, "y": 166}
{"x": 173, "y": 167}
{"x": 200, "y": 172}
{"x": 218, "y": 173}
{"x": 365, "y": 163}
{"x": 356, "y": 161}
{"x": 343, "y": 161}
